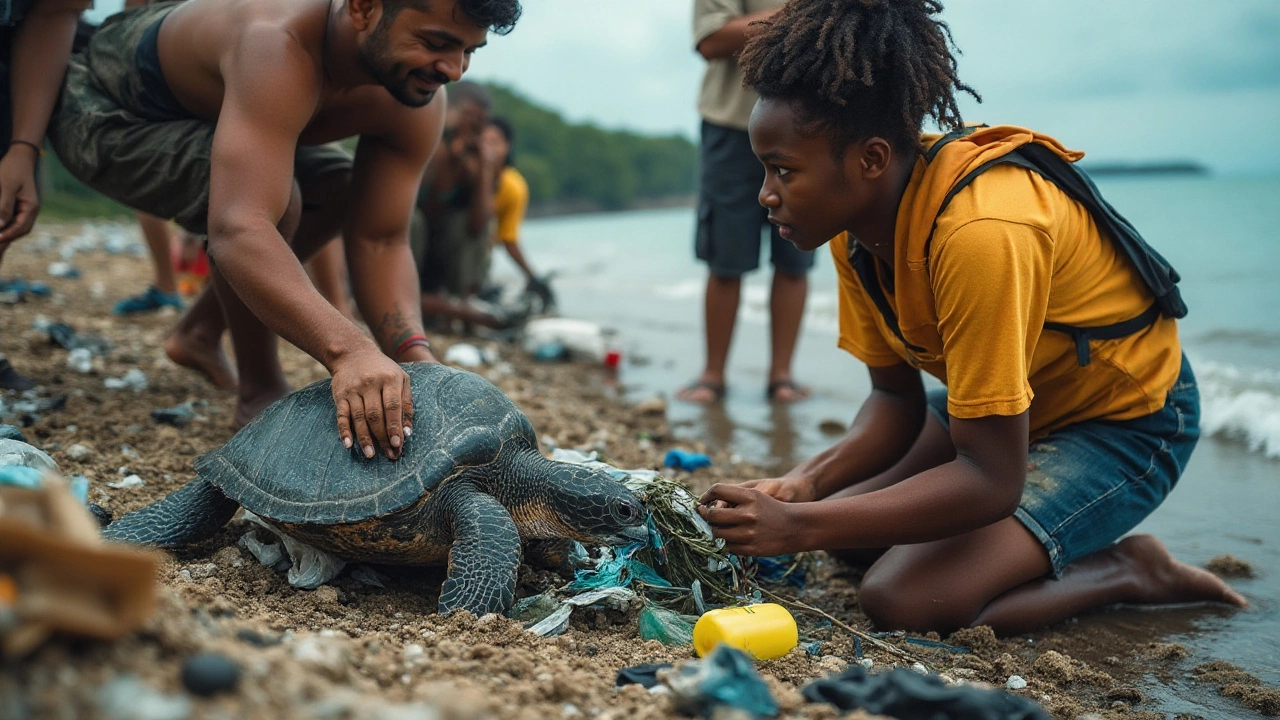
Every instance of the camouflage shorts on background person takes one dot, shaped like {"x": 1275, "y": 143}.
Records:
{"x": 104, "y": 136}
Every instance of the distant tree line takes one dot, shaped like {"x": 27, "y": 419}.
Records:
{"x": 582, "y": 164}
{"x": 568, "y": 165}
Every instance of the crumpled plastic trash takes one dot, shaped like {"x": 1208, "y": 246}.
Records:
{"x": 128, "y": 698}
{"x": 646, "y": 675}
{"x": 726, "y": 676}
{"x": 65, "y": 337}
{"x": 465, "y": 355}
{"x": 309, "y": 567}
{"x": 16, "y": 452}
{"x": 547, "y": 616}
{"x": 665, "y": 626}
{"x": 179, "y": 416}
{"x": 134, "y": 380}
{"x": 618, "y": 571}
{"x": 581, "y": 338}
{"x": 64, "y": 578}
{"x": 62, "y": 269}
{"x": 908, "y": 695}
{"x": 686, "y": 460}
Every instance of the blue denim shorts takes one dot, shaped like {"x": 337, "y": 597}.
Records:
{"x": 1090, "y": 483}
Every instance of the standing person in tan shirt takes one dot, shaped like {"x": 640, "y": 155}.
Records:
{"x": 730, "y": 218}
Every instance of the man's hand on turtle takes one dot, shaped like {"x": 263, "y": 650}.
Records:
{"x": 374, "y": 401}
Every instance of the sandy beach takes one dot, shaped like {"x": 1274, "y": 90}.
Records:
{"x": 349, "y": 649}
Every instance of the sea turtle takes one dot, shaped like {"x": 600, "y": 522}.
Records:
{"x": 469, "y": 486}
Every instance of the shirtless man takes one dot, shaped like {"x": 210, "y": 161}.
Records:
{"x": 206, "y": 112}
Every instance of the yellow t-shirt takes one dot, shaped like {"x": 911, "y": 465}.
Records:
{"x": 510, "y": 203}
{"x": 1011, "y": 252}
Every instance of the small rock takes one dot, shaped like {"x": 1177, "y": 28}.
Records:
{"x": 62, "y": 269}
{"x": 866, "y": 663}
{"x": 207, "y": 674}
{"x": 831, "y": 426}
{"x": 256, "y": 639}
{"x": 328, "y": 655}
{"x": 1015, "y": 682}
{"x": 128, "y": 482}
{"x": 134, "y": 380}
{"x": 1127, "y": 693}
{"x": 920, "y": 668}
{"x": 570, "y": 711}
{"x": 79, "y": 452}
{"x": 127, "y": 698}
{"x": 129, "y": 452}
{"x": 80, "y": 360}
{"x": 831, "y": 665}
{"x": 651, "y": 406}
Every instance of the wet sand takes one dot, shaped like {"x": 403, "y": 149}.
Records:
{"x": 352, "y": 650}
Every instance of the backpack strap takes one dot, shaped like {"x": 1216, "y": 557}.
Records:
{"x": 865, "y": 265}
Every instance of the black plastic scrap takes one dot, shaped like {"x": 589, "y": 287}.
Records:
{"x": 643, "y": 675}
{"x": 909, "y": 695}
{"x": 65, "y": 337}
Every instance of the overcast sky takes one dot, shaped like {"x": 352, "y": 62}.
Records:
{"x": 1120, "y": 79}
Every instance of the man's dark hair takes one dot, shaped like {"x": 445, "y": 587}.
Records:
{"x": 499, "y": 16}
{"x": 858, "y": 68}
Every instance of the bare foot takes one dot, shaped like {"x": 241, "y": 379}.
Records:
{"x": 786, "y": 390}
{"x": 249, "y": 405}
{"x": 1163, "y": 580}
{"x": 702, "y": 391}
{"x": 189, "y": 350}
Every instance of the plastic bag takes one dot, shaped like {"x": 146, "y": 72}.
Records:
{"x": 665, "y": 626}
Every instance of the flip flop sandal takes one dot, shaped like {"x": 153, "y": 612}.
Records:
{"x": 717, "y": 389}
{"x": 771, "y": 392}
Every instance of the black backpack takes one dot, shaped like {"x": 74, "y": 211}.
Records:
{"x": 1156, "y": 272}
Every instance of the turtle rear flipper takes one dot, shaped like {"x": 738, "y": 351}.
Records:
{"x": 485, "y": 555}
{"x": 189, "y": 514}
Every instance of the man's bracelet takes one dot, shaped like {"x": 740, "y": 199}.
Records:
{"x": 413, "y": 341}
{"x": 39, "y": 150}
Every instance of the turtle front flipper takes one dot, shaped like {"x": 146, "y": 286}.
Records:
{"x": 485, "y": 554}
{"x": 189, "y": 514}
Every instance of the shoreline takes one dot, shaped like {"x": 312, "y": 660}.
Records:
{"x": 348, "y": 647}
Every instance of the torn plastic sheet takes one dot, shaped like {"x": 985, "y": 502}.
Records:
{"x": 548, "y": 616}
{"x": 665, "y": 626}
{"x": 309, "y": 568}
{"x": 618, "y": 572}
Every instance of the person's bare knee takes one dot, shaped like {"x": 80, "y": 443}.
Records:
{"x": 900, "y": 598}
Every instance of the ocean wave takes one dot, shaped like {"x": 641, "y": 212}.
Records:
{"x": 1241, "y": 404}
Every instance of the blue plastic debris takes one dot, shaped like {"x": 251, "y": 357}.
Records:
{"x": 686, "y": 460}
{"x": 618, "y": 571}
{"x": 9, "y": 432}
{"x": 728, "y": 677}
{"x": 19, "y": 476}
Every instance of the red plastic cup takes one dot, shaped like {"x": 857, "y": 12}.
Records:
{"x": 612, "y": 358}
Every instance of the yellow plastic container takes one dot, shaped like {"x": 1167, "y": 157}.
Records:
{"x": 765, "y": 631}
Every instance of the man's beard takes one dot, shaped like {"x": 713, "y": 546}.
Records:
{"x": 375, "y": 60}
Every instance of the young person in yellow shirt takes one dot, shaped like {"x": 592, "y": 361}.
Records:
{"x": 1003, "y": 499}
{"x": 510, "y": 201}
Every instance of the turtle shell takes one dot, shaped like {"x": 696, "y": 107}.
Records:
{"x": 289, "y": 464}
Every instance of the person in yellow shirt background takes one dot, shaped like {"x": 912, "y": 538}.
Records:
{"x": 510, "y": 202}
{"x": 983, "y": 258}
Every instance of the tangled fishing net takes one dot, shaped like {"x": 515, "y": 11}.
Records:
{"x": 680, "y": 571}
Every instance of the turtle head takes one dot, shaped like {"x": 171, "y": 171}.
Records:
{"x": 594, "y": 507}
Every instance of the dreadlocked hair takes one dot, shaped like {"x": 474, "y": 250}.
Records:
{"x": 858, "y": 68}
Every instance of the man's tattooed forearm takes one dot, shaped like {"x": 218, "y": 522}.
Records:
{"x": 394, "y": 328}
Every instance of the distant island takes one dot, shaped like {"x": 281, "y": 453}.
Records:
{"x": 1159, "y": 167}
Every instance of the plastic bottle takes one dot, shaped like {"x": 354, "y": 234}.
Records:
{"x": 764, "y": 631}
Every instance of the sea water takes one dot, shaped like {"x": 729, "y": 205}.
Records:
{"x": 636, "y": 272}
